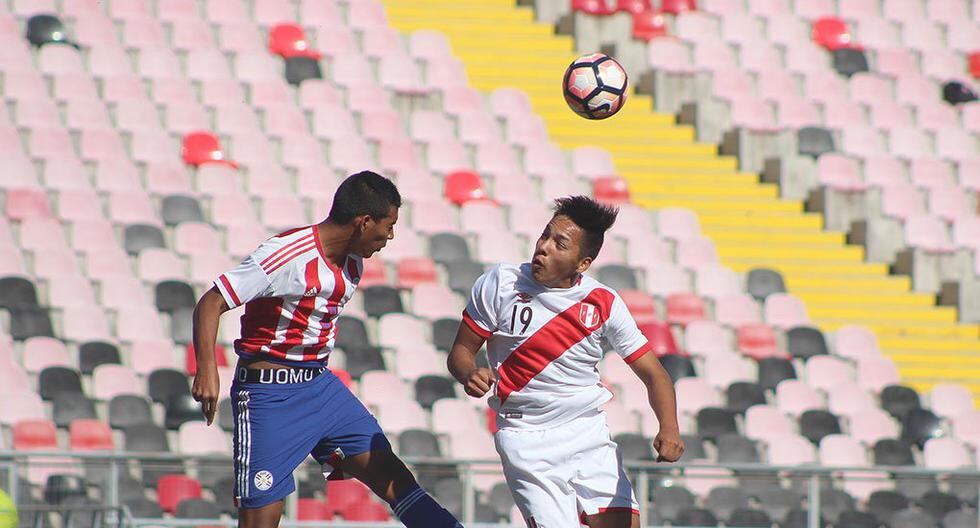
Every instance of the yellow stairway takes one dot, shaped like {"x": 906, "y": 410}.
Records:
{"x": 501, "y": 45}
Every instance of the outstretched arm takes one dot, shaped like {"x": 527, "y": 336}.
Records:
{"x": 660, "y": 391}
{"x": 462, "y": 362}
{"x": 206, "y": 384}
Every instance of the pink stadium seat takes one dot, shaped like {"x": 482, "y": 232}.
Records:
{"x": 192, "y": 238}
{"x": 41, "y": 233}
{"x": 766, "y": 422}
{"x": 791, "y": 450}
{"x": 901, "y": 200}
{"x": 506, "y": 102}
{"x": 956, "y": 144}
{"x": 132, "y": 207}
{"x": 949, "y": 203}
{"x": 239, "y": 36}
{"x": 783, "y": 310}
{"x": 413, "y": 363}
{"x": 109, "y": 381}
{"x": 155, "y": 264}
{"x": 366, "y": 15}
{"x": 426, "y": 125}
{"x": 840, "y": 172}
{"x": 842, "y": 450}
{"x": 133, "y": 324}
{"x": 287, "y": 119}
{"x": 496, "y": 158}
{"x": 966, "y": 231}
{"x": 481, "y": 216}
{"x": 149, "y": 355}
{"x": 70, "y": 290}
{"x": 22, "y": 405}
{"x": 639, "y": 304}
{"x": 922, "y": 34}
{"x": 407, "y": 243}
{"x": 696, "y": 252}
{"x": 826, "y": 372}
{"x": 43, "y": 352}
{"x": 316, "y": 93}
{"x": 930, "y": 173}
{"x": 90, "y": 435}
{"x": 346, "y": 153}
{"x": 725, "y": 369}
{"x": 695, "y": 394}
{"x": 434, "y": 301}
{"x": 106, "y": 263}
{"x": 401, "y": 414}
{"x": 795, "y": 396}
{"x": 908, "y": 142}
{"x": 945, "y": 453}
{"x": 947, "y": 399}
{"x": 23, "y": 204}
{"x": 677, "y": 223}
{"x": 205, "y": 267}
{"x": 494, "y": 247}
{"x": 428, "y": 44}
{"x": 966, "y": 427}
{"x": 942, "y": 64}
{"x": 846, "y": 398}
{"x": 878, "y": 33}
{"x": 876, "y": 372}
{"x": 758, "y": 341}
{"x": 890, "y": 115}
{"x": 122, "y": 291}
{"x": 707, "y": 338}
{"x": 797, "y": 113}
{"x": 433, "y": 217}
{"x": 928, "y": 233}
{"x": 185, "y": 118}
{"x": 398, "y": 329}
{"x": 378, "y": 387}
{"x": 197, "y": 438}
{"x": 862, "y": 141}
{"x": 736, "y": 310}
{"x": 282, "y": 212}
{"x": 309, "y": 509}
{"x": 712, "y": 55}
{"x": 333, "y": 122}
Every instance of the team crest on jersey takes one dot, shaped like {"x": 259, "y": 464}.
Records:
{"x": 589, "y": 315}
{"x": 524, "y": 297}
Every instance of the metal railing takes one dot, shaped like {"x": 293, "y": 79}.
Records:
{"x": 110, "y": 466}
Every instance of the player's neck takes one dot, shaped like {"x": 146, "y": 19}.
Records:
{"x": 335, "y": 240}
{"x": 563, "y": 284}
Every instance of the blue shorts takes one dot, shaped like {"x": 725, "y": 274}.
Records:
{"x": 278, "y": 426}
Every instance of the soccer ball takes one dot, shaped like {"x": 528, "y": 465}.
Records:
{"x": 595, "y": 86}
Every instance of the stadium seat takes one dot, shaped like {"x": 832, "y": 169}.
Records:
{"x": 95, "y": 353}
{"x": 899, "y": 400}
{"x": 430, "y": 389}
{"x": 827, "y": 372}
{"x": 53, "y": 381}
{"x": 765, "y": 422}
{"x": 203, "y": 147}
{"x": 672, "y": 500}
{"x": 833, "y": 34}
{"x": 815, "y": 424}
{"x": 47, "y": 29}
{"x": 415, "y": 271}
{"x": 172, "y": 489}
{"x": 90, "y": 435}
{"x": 128, "y": 410}
{"x": 676, "y": 7}
{"x": 678, "y": 366}
{"x": 288, "y": 40}
{"x": 919, "y": 425}
{"x": 62, "y": 488}
{"x": 761, "y": 283}
{"x": 313, "y": 510}
{"x": 884, "y": 504}
{"x": 34, "y": 435}
{"x": 805, "y": 342}
{"x": 660, "y": 337}
{"x": 112, "y": 380}
{"x": 713, "y": 422}
{"x": 758, "y": 341}
{"x": 649, "y": 25}
{"x": 696, "y": 517}
{"x": 949, "y": 400}
{"x": 892, "y": 452}
{"x": 742, "y": 395}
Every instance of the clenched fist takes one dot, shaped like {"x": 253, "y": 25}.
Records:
{"x": 478, "y": 382}
{"x": 669, "y": 446}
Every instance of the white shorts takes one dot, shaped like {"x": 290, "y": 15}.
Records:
{"x": 558, "y": 475}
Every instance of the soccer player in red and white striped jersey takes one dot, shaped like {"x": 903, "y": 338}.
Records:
{"x": 287, "y": 405}
{"x": 543, "y": 323}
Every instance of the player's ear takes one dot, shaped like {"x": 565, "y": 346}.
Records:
{"x": 584, "y": 265}
{"x": 362, "y": 223}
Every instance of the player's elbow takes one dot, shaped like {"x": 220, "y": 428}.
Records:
{"x": 211, "y": 304}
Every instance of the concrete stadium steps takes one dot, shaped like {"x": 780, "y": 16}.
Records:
{"x": 502, "y": 46}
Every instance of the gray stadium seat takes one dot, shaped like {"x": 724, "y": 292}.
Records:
{"x": 805, "y": 342}
{"x": 892, "y": 452}
{"x": 693, "y": 448}
{"x": 17, "y": 292}
{"x": 734, "y": 448}
{"x": 138, "y": 237}
{"x": 226, "y": 415}
{"x": 939, "y": 504}
{"x": 912, "y": 519}
{"x": 762, "y": 282}
{"x": 696, "y": 517}
{"x": 617, "y": 277}
{"x": 834, "y": 502}
{"x": 777, "y": 501}
{"x": 501, "y": 499}
{"x": 180, "y": 409}
{"x": 197, "y": 509}
{"x": 722, "y": 501}
{"x": 714, "y": 422}
{"x": 678, "y": 366}
{"x": 899, "y": 400}
{"x": 430, "y": 389}
{"x": 43, "y": 29}
{"x": 164, "y": 383}
{"x": 380, "y": 300}
{"x": 463, "y": 274}
{"x": 68, "y": 407}
{"x": 671, "y": 501}
{"x": 744, "y": 394}
{"x": 418, "y": 443}
{"x": 178, "y": 208}
{"x": 798, "y": 519}
{"x": 847, "y": 62}
{"x": 883, "y": 504}
{"x": 814, "y": 141}
{"x": 95, "y": 353}
{"x": 774, "y": 370}
{"x": 957, "y": 93}
{"x": 299, "y": 69}
{"x": 444, "y": 333}
{"x": 960, "y": 519}
{"x": 141, "y": 507}
{"x": 182, "y": 325}
{"x": 857, "y": 519}
{"x": 446, "y": 248}
{"x": 53, "y": 381}
{"x": 351, "y": 332}
{"x": 147, "y": 438}
{"x": 633, "y": 446}
{"x": 30, "y": 321}
{"x": 749, "y": 518}
{"x": 170, "y": 295}
{"x": 920, "y": 425}
{"x": 363, "y": 359}
{"x": 817, "y": 423}
{"x": 449, "y": 493}
{"x": 59, "y": 488}
{"x": 127, "y": 410}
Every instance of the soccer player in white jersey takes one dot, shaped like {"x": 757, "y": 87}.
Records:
{"x": 287, "y": 404}
{"x": 543, "y": 322}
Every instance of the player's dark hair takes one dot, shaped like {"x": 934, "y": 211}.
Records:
{"x": 593, "y": 217}
{"x": 364, "y": 193}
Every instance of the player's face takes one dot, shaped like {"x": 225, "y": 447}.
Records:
{"x": 375, "y": 234}
{"x": 557, "y": 257}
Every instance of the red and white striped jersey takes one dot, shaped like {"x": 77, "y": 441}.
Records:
{"x": 544, "y": 344}
{"x": 292, "y": 296}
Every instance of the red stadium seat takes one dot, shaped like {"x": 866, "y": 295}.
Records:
{"x": 413, "y": 271}
{"x": 649, "y": 25}
{"x": 313, "y": 510}
{"x": 685, "y": 308}
{"x": 374, "y": 273}
{"x": 171, "y": 489}
{"x": 758, "y": 341}
{"x": 676, "y": 7}
{"x": 367, "y": 510}
{"x": 34, "y": 434}
{"x": 90, "y": 435}
{"x": 640, "y": 305}
{"x": 610, "y": 190}
{"x": 191, "y": 362}
{"x": 592, "y": 7}
{"x": 464, "y": 186}
{"x": 660, "y": 337}
{"x": 343, "y": 376}
{"x": 341, "y": 494}
{"x": 204, "y": 147}
{"x": 833, "y": 34}
{"x": 634, "y": 6}
{"x": 974, "y": 60}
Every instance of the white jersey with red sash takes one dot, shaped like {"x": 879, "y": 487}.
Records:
{"x": 544, "y": 344}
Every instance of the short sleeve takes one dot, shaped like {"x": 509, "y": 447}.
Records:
{"x": 245, "y": 282}
{"x": 481, "y": 310}
{"x": 623, "y": 334}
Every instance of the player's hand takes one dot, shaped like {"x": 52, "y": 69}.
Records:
{"x": 478, "y": 382}
{"x": 669, "y": 446}
{"x": 205, "y": 390}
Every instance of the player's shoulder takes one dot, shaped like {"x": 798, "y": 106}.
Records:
{"x": 592, "y": 286}
{"x": 284, "y": 247}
